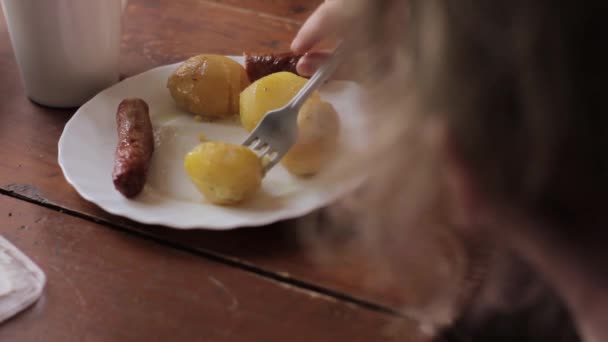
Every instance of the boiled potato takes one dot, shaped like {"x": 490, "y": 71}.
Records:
{"x": 226, "y": 174}
{"x": 208, "y": 85}
{"x": 318, "y": 127}
{"x": 269, "y": 93}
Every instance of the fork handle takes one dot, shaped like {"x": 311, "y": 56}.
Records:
{"x": 318, "y": 78}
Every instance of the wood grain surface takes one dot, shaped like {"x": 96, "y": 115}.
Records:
{"x": 105, "y": 285}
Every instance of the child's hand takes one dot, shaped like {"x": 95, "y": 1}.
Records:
{"x": 329, "y": 20}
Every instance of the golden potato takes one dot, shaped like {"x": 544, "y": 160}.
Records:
{"x": 208, "y": 85}
{"x": 225, "y": 173}
{"x": 269, "y": 93}
{"x": 318, "y": 128}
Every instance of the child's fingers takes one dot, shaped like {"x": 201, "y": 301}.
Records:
{"x": 327, "y": 20}
{"x": 310, "y": 62}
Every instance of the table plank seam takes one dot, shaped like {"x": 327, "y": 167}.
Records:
{"x": 250, "y": 11}
{"x": 216, "y": 257}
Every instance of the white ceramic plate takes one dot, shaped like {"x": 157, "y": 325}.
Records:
{"x": 88, "y": 143}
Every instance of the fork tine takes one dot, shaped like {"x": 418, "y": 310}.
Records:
{"x": 262, "y": 147}
{"x": 272, "y": 160}
{"x": 264, "y": 151}
{"x": 257, "y": 144}
{"x": 250, "y": 139}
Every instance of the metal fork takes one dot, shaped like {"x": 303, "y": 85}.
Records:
{"x": 277, "y": 131}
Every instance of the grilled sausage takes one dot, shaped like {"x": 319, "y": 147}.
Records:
{"x": 260, "y": 65}
{"x": 135, "y": 147}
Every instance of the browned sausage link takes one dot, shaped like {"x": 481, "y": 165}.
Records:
{"x": 260, "y": 65}
{"x": 135, "y": 146}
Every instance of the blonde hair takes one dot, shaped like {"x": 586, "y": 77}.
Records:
{"x": 516, "y": 85}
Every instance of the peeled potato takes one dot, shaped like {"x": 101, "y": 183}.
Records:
{"x": 208, "y": 85}
{"x": 318, "y": 127}
{"x": 269, "y": 93}
{"x": 226, "y": 174}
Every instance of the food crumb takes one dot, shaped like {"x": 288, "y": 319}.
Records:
{"x": 202, "y": 138}
{"x": 198, "y": 118}
{"x": 265, "y": 161}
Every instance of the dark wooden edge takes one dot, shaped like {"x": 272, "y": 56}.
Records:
{"x": 212, "y": 256}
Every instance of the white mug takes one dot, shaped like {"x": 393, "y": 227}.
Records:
{"x": 67, "y": 50}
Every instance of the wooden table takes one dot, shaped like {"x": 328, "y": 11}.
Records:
{"x": 110, "y": 279}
